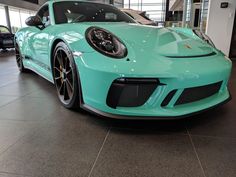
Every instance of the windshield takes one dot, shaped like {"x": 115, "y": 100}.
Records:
{"x": 74, "y": 11}
{"x": 3, "y": 29}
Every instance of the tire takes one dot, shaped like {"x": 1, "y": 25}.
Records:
{"x": 65, "y": 77}
{"x": 19, "y": 60}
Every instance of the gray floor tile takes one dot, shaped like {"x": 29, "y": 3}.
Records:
{"x": 16, "y": 89}
{"x": 142, "y": 154}
{"x": 217, "y": 155}
{"x": 47, "y": 91}
{"x": 64, "y": 116}
{"x": 11, "y": 132}
{"x": 28, "y": 108}
{"x": 218, "y": 122}
{"x": 6, "y": 100}
{"x": 173, "y": 126}
{"x": 22, "y": 84}
{"x": 12, "y": 175}
{"x": 61, "y": 151}
{"x": 5, "y": 80}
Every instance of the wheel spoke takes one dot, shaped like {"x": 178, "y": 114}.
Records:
{"x": 57, "y": 69}
{"x": 57, "y": 78}
{"x": 66, "y": 58}
{"x": 66, "y": 97}
{"x": 69, "y": 90}
{"x": 61, "y": 88}
{"x": 70, "y": 85}
{"x": 60, "y": 61}
{"x": 69, "y": 71}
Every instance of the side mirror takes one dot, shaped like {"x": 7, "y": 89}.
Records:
{"x": 34, "y": 21}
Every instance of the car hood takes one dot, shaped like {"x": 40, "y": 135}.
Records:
{"x": 153, "y": 40}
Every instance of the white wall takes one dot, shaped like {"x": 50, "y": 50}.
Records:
{"x": 220, "y": 24}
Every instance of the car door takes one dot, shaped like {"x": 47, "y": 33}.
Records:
{"x": 40, "y": 42}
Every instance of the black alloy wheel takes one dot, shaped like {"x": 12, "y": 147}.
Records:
{"x": 65, "y": 76}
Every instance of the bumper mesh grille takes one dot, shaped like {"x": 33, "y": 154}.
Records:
{"x": 197, "y": 93}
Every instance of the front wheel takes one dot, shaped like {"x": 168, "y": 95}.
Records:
{"x": 65, "y": 77}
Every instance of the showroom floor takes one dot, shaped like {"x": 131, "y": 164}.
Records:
{"x": 39, "y": 138}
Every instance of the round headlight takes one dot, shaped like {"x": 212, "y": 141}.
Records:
{"x": 105, "y": 42}
{"x": 204, "y": 37}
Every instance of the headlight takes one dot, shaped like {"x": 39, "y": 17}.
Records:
{"x": 204, "y": 37}
{"x": 105, "y": 42}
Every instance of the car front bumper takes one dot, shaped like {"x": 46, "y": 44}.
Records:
{"x": 196, "y": 75}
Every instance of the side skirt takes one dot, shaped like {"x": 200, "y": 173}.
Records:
{"x": 32, "y": 62}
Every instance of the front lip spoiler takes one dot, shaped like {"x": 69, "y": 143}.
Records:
{"x": 115, "y": 116}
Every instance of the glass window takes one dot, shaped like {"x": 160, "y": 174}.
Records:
{"x": 74, "y": 11}
{"x": 43, "y": 13}
{"x": 3, "y": 16}
{"x": 204, "y": 13}
{"x": 23, "y": 16}
{"x": 4, "y": 29}
{"x": 32, "y": 13}
{"x": 155, "y": 9}
{"x": 118, "y": 3}
{"x": 15, "y": 19}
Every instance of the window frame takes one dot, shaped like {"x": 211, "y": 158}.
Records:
{"x": 41, "y": 17}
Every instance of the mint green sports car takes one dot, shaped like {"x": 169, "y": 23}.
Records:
{"x": 101, "y": 60}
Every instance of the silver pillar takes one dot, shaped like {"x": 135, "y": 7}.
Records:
{"x": 7, "y": 17}
{"x": 184, "y": 13}
{"x": 202, "y": 11}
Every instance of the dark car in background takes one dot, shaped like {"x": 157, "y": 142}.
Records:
{"x": 6, "y": 38}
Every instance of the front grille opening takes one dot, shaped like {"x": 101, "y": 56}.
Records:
{"x": 198, "y": 93}
{"x": 168, "y": 98}
{"x": 129, "y": 92}
{"x": 193, "y": 56}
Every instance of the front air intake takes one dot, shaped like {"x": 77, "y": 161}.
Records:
{"x": 130, "y": 92}
{"x": 198, "y": 93}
